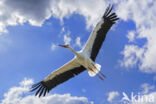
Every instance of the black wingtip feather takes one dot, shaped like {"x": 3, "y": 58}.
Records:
{"x": 38, "y": 90}
{"x": 34, "y": 87}
{"x": 108, "y": 16}
{"x": 42, "y": 89}
{"x": 109, "y": 10}
{"x": 106, "y": 10}
{"x": 45, "y": 92}
{"x": 113, "y": 15}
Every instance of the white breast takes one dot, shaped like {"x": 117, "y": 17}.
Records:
{"x": 83, "y": 59}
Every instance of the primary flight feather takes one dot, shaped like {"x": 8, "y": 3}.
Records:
{"x": 83, "y": 60}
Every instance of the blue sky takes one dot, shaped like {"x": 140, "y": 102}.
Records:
{"x": 29, "y": 50}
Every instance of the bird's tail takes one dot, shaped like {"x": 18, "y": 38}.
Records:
{"x": 95, "y": 70}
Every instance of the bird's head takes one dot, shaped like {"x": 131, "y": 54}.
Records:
{"x": 65, "y": 46}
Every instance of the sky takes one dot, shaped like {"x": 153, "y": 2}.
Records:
{"x": 30, "y": 31}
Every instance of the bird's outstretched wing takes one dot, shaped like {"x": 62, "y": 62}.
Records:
{"x": 57, "y": 77}
{"x": 98, "y": 35}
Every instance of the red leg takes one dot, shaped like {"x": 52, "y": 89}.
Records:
{"x": 102, "y": 74}
{"x": 98, "y": 74}
{"x": 100, "y": 77}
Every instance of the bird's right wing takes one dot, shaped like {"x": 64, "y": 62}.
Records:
{"x": 57, "y": 77}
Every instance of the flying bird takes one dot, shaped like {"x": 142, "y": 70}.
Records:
{"x": 83, "y": 60}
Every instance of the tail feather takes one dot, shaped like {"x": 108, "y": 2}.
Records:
{"x": 95, "y": 70}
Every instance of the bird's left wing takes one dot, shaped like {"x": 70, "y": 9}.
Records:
{"x": 57, "y": 77}
{"x": 98, "y": 35}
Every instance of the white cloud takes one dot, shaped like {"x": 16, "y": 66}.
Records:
{"x": 65, "y": 8}
{"x": 15, "y": 12}
{"x": 62, "y": 30}
{"x": 53, "y": 46}
{"x": 78, "y": 42}
{"x": 145, "y": 21}
{"x": 132, "y": 54}
{"x": 147, "y": 87}
{"x": 67, "y": 39}
{"x": 131, "y": 36}
{"x": 13, "y": 96}
{"x": 18, "y": 95}
{"x": 112, "y": 95}
{"x": 35, "y": 12}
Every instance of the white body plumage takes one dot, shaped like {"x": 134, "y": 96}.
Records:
{"x": 83, "y": 59}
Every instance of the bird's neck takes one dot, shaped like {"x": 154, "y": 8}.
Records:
{"x": 73, "y": 51}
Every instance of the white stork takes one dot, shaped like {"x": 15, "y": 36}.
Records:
{"x": 84, "y": 59}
